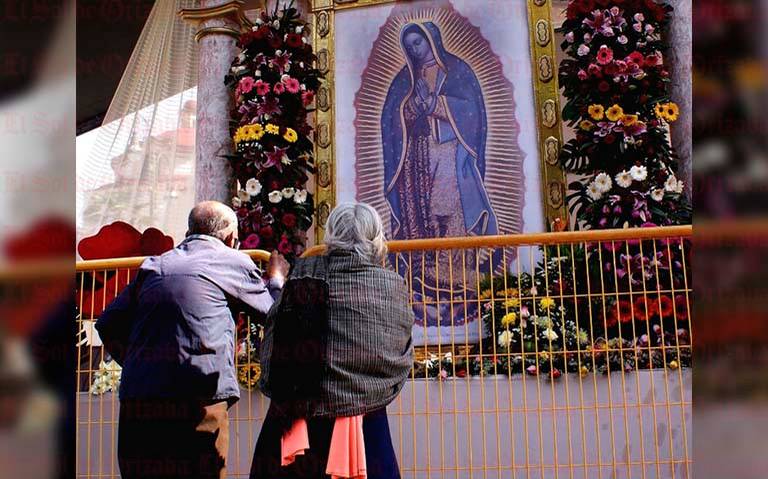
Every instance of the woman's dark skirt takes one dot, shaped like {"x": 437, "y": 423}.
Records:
{"x": 380, "y": 456}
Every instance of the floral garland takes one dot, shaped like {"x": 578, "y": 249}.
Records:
{"x": 274, "y": 81}
{"x": 615, "y": 83}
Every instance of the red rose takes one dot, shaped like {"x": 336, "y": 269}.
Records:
{"x": 610, "y": 139}
{"x": 261, "y": 33}
{"x": 275, "y": 41}
{"x": 611, "y": 69}
{"x": 289, "y": 220}
{"x": 586, "y": 6}
{"x": 603, "y": 86}
{"x": 307, "y": 98}
{"x": 266, "y": 232}
{"x": 293, "y": 40}
{"x": 652, "y": 60}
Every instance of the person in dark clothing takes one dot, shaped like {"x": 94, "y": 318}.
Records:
{"x": 337, "y": 350}
{"x": 173, "y": 333}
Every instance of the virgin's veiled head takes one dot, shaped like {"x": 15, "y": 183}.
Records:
{"x": 421, "y": 43}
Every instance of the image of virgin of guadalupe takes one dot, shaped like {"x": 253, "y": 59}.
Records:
{"x": 434, "y": 130}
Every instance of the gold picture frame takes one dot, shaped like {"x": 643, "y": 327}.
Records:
{"x": 546, "y": 103}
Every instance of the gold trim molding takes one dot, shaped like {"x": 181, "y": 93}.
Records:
{"x": 546, "y": 98}
{"x": 233, "y": 10}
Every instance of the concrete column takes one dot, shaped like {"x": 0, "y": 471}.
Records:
{"x": 679, "y": 62}
{"x": 219, "y": 27}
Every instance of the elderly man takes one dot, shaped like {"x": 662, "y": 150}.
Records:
{"x": 173, "y": 332}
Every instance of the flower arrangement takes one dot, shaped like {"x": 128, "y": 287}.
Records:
{"x": 106, "y": 378}
{"x": 274, "y": 81}
{"x": 615, "y": 82}
{"x": 576, "y": 313}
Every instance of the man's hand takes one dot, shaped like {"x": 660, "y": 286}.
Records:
{"x": 277, "y": 267}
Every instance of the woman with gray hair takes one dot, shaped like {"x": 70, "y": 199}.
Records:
{"x": 336, "y": 351}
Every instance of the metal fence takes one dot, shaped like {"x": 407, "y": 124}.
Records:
{"x": 546, "y": 355}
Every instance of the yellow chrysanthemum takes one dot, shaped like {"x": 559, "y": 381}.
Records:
{"x": 614, "y": 113}
{"x": 509, "y": 319}
{"x": 546, "y": 302}
{"x": 511, "y": 292}
{"x": 659, "y": 110}
{"x": 290, "y": 135}
{"x": 671, "y": 112}
{"x": 273, "y": 129}
{"x": 512, "y": 303}
{"x": 485, "y": 294}
{"x": 586, "y": 125}
{"x": 596, "y": 111}
{"x": 629, "y": 120}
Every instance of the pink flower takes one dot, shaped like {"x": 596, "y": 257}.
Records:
{"x": 599, "y": 23}
{"x": 246, "y": 84}
{"x": 284, "y": 247}
{"x": 307, "y": 97}
{"x": 251, "y": 242}
{"x": 604, "y": 55}
{"x": 269, "y": 106}
{"x": 594, "y": 70}
{"x": 635, "y": 57}
{"x": 279, "y": 88}
{"x": 262, "y": 88}
{"x": 652, "y": 60}
{"x": 569, "y": 37}
{"x": 282, "y": 62}
{"x": 275, "y": 158}
{"x": 292, "y": 85}
{"x": 582, "y": 75}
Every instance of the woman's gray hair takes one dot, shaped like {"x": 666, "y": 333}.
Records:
{"x": 356, "y": 227}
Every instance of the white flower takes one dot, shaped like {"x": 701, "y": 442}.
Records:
{"x": 639, "y": 173}
{"x": 303, "y": 39}
{"x": 301, "y": 64}
{"x": 257, "y": 73}
{"x": 657, "y": 194}
{"x": 243, "y": 195}
{"x": 236, "y": 202}
{"x": 550, "y": 334}
{"x": 300, "y": 196}
{"x": 276, "y": 24}
{"x": 259, "y": 21}
{"x": 671, "y": 184}
{"x": 624, "y": 179}
{"x": 237, "y": 69}
{"x": 583, "y": 50}
{"x": 285, "y": 160}
{"x": 587, "y": 37}
{"x": 505, "y": 339}
{"x": 241, "y": 57}
{"x": 288, "y": 192}
{"x": 593, "y": 191}
{"x": 303, "y": 87}
{"x": 615, "y": 11}
{"x": 299, "y": 29}
{"x": 638, "y": 27}
{"x": 284, "y": 77}
{"x": 603, "y": 182}
{"x": 623, "y": 39}
{"x": 253, "y": 187}
{"x": 569, "y": 37}
{"x": 639, "y": 17}
{"x": 679, "y": 187}
{"x": 275, "y": 196}
{"x": 278, "y": 53}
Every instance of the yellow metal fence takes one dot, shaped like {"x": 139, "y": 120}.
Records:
{"x": 563, "y": 355}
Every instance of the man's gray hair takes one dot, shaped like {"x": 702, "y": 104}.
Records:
{"x": 212, "y": 218}
{"x": 356, "y": 227}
